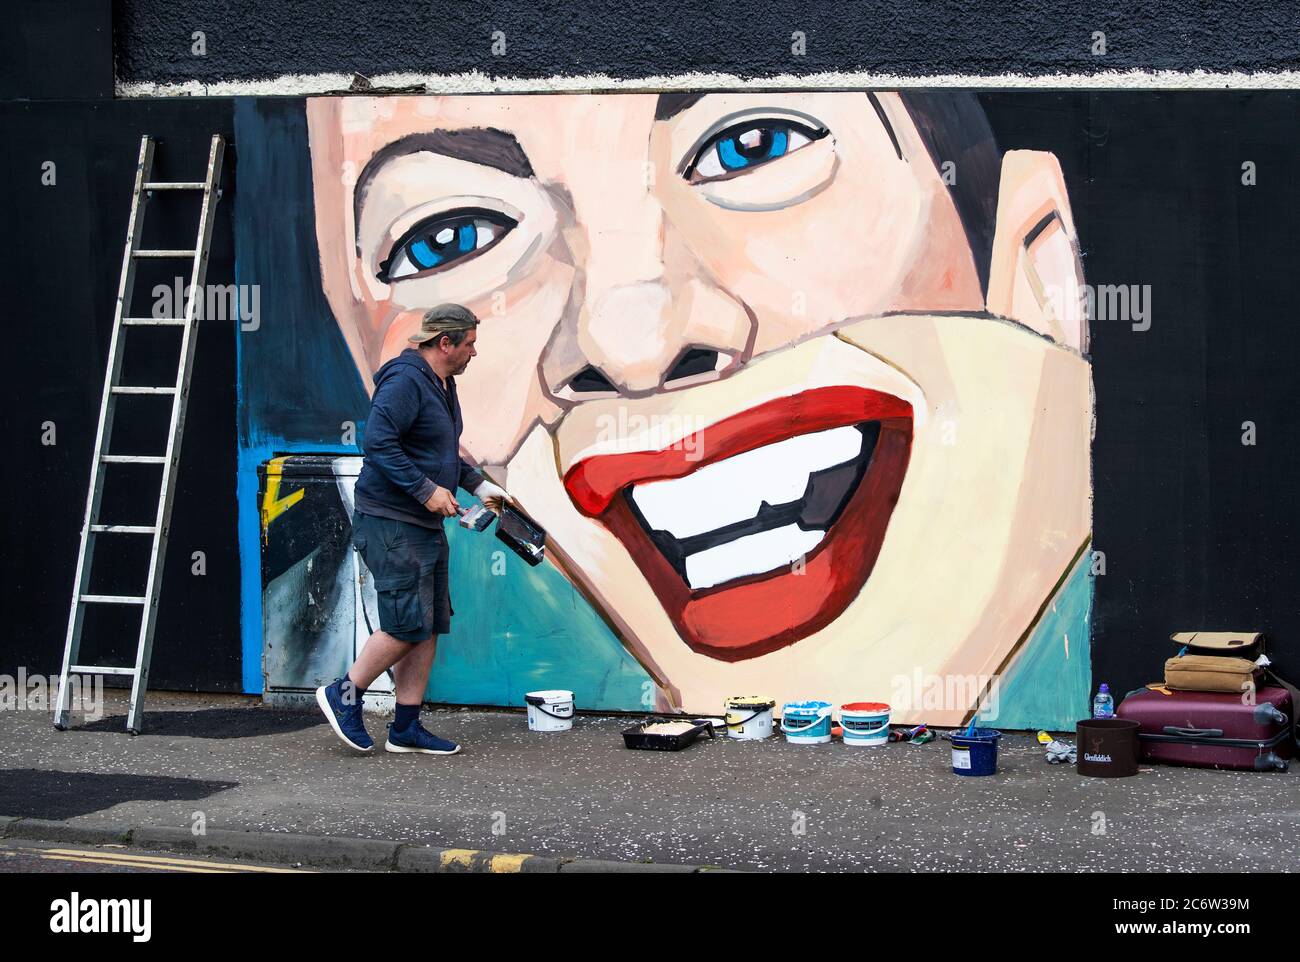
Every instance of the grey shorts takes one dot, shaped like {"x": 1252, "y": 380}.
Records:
{"x": 409, "y": 565}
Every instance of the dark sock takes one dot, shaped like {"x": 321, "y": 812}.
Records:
{"x": 406, "y": 716}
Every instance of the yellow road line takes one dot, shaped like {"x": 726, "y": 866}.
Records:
{"x": 162, "y": 861}
{"x": 125, "y": 864}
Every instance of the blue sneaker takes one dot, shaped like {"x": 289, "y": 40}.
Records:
{"x": 344, "y": 718}
{"x": 414, "y": 738}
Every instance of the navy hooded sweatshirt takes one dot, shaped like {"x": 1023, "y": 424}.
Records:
{"x": 412, "y": 443}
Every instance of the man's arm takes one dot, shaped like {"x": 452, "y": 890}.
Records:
{"x": 393, "y": 410}
{"x": 469, "y": 477}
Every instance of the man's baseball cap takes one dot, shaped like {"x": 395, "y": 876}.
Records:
{"x": 443, "y": 319}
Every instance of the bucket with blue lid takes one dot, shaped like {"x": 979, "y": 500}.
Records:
{"x": 975, "y": 751}
{"x": 806, "y": 722}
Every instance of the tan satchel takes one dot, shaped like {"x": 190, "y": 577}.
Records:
{"x": 1211, "y": 673}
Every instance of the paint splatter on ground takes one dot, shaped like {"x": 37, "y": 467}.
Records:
{"x": 752, "y": 805}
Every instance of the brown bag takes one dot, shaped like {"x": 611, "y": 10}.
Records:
{"x": 1241, "y": 644}
{"x": 1215, "y": 661}
{"x": 1211, "y": 673}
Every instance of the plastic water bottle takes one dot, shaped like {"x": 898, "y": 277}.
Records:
{"x": 1103, "y": 706}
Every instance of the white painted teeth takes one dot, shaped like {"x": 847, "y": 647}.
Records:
{"x": 732, "y": 490}
{"x": 750, "y": 555}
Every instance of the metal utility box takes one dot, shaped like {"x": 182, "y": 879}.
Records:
{"x": 317, "y": 598}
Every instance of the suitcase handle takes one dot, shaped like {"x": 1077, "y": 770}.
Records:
{"x": 1266, "y": 713}
{"x": 1194, "y": 732}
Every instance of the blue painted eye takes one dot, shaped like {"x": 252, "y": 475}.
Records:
{"x": 748, "y": 145}
{"x": 443, "y": 240}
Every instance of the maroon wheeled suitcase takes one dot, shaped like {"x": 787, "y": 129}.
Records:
{"x": 1210, "y": 729}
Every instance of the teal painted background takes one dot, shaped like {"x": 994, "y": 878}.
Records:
{"x": 526, "y": 629}
{"x": 1049, "y": 684}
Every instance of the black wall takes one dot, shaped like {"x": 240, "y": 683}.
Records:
{"x": 56, "y": 50}
{"x": 59, "y": 274}
{"x": 1198, "y": 530}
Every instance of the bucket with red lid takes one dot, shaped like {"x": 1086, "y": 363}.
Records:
{"x": 865, "y": 723}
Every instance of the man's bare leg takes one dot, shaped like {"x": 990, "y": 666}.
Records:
{"x": 381, "y": 652}
{"x": 412, "y": 672}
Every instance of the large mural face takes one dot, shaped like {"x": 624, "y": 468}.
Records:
{"x": 796, "y": 382}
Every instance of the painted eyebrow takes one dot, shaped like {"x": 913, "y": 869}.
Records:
{"x": 669, "y": 106}
{"x": 486, "y": 146}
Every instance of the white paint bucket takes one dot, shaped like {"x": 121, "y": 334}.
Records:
{"x": 749, "y": 717}
{"x": 865, "y": 723}
{"x": 549, "y": 711}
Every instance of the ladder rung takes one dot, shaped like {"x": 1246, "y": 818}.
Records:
{"x": 176, "y": 185}
{"x": 162, "y": 253}
{"x": 112, "y": 599}
{"x": 143, "y": 390}
{"x": 154, "y": 321}
{"x": 99, "y": 670}
{"x": 132, "y": 459}
{"x": 123, "y": 528}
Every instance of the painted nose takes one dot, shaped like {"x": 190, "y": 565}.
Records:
{"x": 647, "y": 304}
{"x": 631, "y": 335}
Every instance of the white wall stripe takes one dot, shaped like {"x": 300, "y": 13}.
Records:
{"x": 475, "y": 82}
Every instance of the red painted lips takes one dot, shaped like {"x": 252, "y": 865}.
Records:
{"x": 757, "y": 614}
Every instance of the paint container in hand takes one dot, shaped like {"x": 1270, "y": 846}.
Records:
{"x": 1107, "y": 748}
{"x": 749, "y": 717}
{"x": 521, "y": 534}
{"x": 865, "y": 723}
{"x": 806, "y": 722}
{"x": 975, "y": 751}
{"x": 549, "y": 711}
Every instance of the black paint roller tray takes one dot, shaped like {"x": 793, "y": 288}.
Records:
{"x": 638, "y": 737}
{"x": 522, "y": 535}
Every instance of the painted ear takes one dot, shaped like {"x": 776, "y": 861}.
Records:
{"x": 1036, "y": 275}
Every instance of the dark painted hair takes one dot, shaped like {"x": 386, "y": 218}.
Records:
{"x": 954, "y": 127}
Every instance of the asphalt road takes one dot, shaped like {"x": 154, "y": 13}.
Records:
{"x": 758, "y": 806}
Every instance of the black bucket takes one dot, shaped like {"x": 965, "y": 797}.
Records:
{"x": 1108, "y": 747}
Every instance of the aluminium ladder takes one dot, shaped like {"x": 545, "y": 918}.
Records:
{"x": 91, "y": 528}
